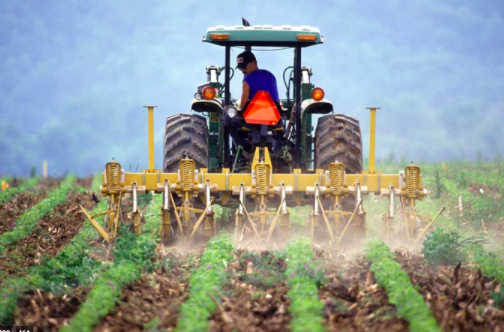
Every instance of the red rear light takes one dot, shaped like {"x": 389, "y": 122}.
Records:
{"x": 317, "y": 94}
{"x": 208, "y": 93}
{"x": 262, "y": 110}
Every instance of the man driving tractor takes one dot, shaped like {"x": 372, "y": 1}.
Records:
{"x": 254, "y": 80}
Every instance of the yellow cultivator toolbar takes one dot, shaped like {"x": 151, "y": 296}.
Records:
{"x": 336, "y": 197}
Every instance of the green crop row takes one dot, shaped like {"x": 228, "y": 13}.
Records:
{"x": 304, "y": 278}
{"x": 401, "y": 293}
{"x": 204, "y": 284}
{"x": 96, "y": 183}
{"x": 71, "y": 267}
{"x": 488, "y": 263}
{"x": 9, "y": 193}
{"x": 132, "y": 253}
{"x": 27, "y": 222}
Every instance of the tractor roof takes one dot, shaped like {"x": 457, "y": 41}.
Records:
{"x": 264, "y": 35}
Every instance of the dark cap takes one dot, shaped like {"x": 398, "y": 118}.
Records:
{"x": 244, "y": 58}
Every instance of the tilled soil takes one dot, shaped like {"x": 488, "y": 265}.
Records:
{"x": 47, "y": 312}
{"x": 252, "y": 303}
{"x": 354, "y": 302}
{"x": 157, "y": 295}
{"x": 13, "y": 209}
{"x": 52, "y": 233}
{"x": 459, "y": 297}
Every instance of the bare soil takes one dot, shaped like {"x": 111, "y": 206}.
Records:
{"x": 248, "y": 304}
{"x": 13, "y": 209}
{"x": 354, "y": 302}
{"x": 52, "y": 233}
{"x": 47, "y": 312}
{"x": 156, "y": 295}
{"x": 459, "y": 297}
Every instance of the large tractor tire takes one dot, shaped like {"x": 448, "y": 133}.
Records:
{"x": 338, "y": 137}
{"x": 186, "y": 135}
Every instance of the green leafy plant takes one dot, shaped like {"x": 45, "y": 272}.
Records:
{"x": 132, "y": 253}
{"x": 71, "y": 267}
{"x": 488, "y": 263}
{"x": 204, "y": 282}
{"x": 442, "y": 247}
{"x": 304, "y": 277}
{"x": 268, "y": 269}
{"x": 401, "y": 293}
{"x": 498, "y": 297}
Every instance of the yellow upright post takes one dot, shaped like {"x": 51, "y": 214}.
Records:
{"x": 150, "y": 133}
{"x": 372, "y": 136}
{"x": 44, "y": 169}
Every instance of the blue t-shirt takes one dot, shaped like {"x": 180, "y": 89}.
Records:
{"x": 262, "y": 80}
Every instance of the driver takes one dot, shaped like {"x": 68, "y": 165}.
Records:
{"x": 254, "y": 80}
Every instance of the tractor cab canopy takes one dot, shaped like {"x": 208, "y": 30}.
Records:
{"x": 264, "y": 35}
{"x": 269, "y": 36}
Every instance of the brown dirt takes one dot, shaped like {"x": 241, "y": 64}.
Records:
{"x": 251, "y": 307}
{"x": 13, "y": 209}
{"x": 354, "y": 302}
{"x": 156, "y": 295}
{"x": 459, "y": 297}
{"x": 52, "y": 233}
{"x": 47, "y": 312}
{"x": 85, "y": 182}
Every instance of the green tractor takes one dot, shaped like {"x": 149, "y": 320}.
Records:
{"x": 280, "y": 164}
{"x": 206, "y": 139}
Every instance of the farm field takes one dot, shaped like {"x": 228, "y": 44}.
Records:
{"x": 57, "y": 274}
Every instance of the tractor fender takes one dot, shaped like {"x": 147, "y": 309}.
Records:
{"x": 202, "y": 105}
{"x": 311, "y": 106}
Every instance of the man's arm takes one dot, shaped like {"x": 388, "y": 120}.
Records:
{"x": 245, "y": 95}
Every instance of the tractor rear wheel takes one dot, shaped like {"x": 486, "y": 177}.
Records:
{"x": 186, "y": 136}
{"x": 338, "y": 137}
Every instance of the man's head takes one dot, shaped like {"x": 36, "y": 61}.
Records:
{"x": 246, "y": 62}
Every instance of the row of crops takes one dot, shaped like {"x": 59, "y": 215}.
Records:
{"x": 223, "y": 287}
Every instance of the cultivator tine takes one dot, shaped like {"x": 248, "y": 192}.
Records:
{"x": 95, "y": 224}
{"x": 239, "y": 227}
{"x": 426, "y": 228}
{"x": 256, "y": 233}
{"x": 284, "y": 217}
{"x": 136, "y": 213}
{"x": 210, "y": 227}
{"x": 388, "y": 218}
{"x": 324, "y": 216}
{"x": 405, "y": 221}
{"x": 200, "y": 220}
{"x": 177, "y": 216}
{"x": 275, "y": 220}
{"x": 349, "y": 222}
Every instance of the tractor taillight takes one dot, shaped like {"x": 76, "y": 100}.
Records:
{"x": 317, "y": 94}
{"x": 219, "y": 36}
{"x": 307, "y": 37}
{"x": 208, "y": 93}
